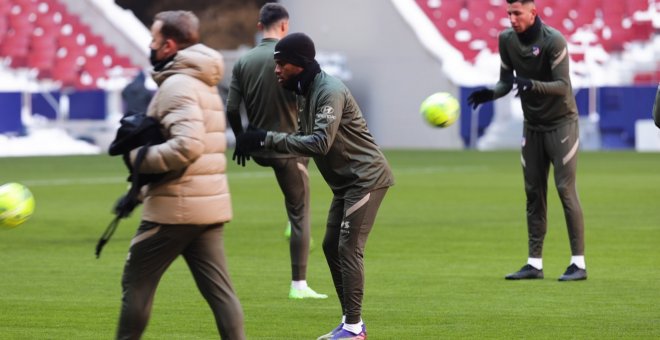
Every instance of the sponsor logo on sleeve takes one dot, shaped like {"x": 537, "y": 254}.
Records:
{"x": 326, "y": 112}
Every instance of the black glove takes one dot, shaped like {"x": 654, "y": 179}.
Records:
{"x": 125, "y": 205}
{"x": 522, "y": 85}
{"x": 251, "y": 140}
{"x": 239, "y": 156}
{"x": 479, "y": 97}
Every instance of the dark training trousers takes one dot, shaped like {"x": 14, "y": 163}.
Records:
{"x": 558, "y": 147}
{"x": 152, "y": 250}
{"x": 293, "y": 179}
{"x": 349, "y": 222}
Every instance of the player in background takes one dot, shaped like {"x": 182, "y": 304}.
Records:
{"x": 332, "y": 131}
{"x": 535, "y": 59}
{"x": 269, "y": 107}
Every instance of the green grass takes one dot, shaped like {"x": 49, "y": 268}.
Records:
{"x": 447, "y": 233}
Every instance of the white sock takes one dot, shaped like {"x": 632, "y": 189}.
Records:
{"x": 343, "y": 319}
{"x": 355, "y": 328}
{"x": 578, "y": 261}
{"x": 302, "y": 284}
{"x": 535, "y": 262}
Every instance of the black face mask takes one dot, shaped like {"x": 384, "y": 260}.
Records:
{"x": 152, "y": 57}
{"x": 159, "y": 64}
{"x": 300, "y": 83}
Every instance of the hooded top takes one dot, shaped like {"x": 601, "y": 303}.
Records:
{"x": 190, "y": 111}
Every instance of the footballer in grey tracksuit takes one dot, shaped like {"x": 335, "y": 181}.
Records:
{"x": 270, "y": 107}
{"x": 333, "y": 131}
{"x": 550, "y": 133}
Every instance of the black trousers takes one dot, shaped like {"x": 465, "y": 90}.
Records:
{"x": 293, "y": 179}
{"x": 558, "y": 148}
{"x": 152, "y": 251}
{"x": 349, "y": 223}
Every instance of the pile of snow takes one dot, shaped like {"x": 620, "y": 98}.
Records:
{"x": 45, "y": 142}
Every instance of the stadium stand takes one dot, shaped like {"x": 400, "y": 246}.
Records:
{"x": 611, "y": 45}
{"x": 67, "y": 61}
{"x": 45, "y": 38}
{"x": 60, "y": 68}
{"x": 471, "y": 26}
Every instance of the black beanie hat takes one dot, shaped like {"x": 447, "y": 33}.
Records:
{"x": 296, "y": 48}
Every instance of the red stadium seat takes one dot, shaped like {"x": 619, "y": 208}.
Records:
{"x": 643, "y": 78}
{"x": 65, "y": 71}
{"x": 633, "y": 6}
{"x": 44, "y": 36}
{"x": 612, "y": 22}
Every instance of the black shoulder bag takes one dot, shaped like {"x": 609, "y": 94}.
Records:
{"x": 135, "y": 131}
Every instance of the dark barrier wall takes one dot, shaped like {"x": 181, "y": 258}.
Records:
{"x": 10, "y": 113}
{"x": 89, "y": 104}
{"x": 618, "y": 107}
{"x": 484, "y": 116}
{"x": 83, "y": 105}
{"x": 45, "y": 104}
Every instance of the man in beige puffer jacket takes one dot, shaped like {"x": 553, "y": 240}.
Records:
{"x": 184, "y": 213}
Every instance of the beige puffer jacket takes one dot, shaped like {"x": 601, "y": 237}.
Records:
{"x": 191, "y": 113}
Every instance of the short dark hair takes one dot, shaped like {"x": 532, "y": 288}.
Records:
{"x": 180, "y": 26}
{"x": 271, "y": 13}
{"x": 520, "y": 1}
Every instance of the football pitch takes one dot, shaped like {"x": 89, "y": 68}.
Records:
{"x": 445, "y": 236}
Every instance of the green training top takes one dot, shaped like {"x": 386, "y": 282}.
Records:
{"x": 334, "y": 132}
{"x": 268, "y": 105}
{"x": 545, "y": 62}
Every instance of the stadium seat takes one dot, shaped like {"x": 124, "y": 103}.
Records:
{"x": 66, "y": 70}
{"x": 4, "y": 26}
{"x": 642, "y": 30}
{"x": 612, "y": 22}
{"x": 16, "y": 47}
{"x": 44, "y": 35}
{"x": 644, "y": 78}
{"x": 5, "y": 7}
{"x": 587, "y": 13}
{"x": 633, "y": 6}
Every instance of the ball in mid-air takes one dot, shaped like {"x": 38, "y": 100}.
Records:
{"x": 16, "y": 205}
{"x": 440, "y": 109}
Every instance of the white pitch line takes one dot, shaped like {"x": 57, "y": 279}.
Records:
{"x": 71, "y": 181}
{"x": 115, "y": 180}
{"x": 439, "y": 169}
{"x": 254, "y": 174}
